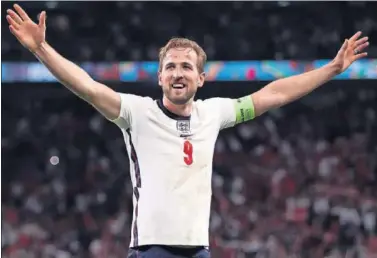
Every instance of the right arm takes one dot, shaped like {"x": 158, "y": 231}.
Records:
{"x": 101, "y": 97}
{"x": 32, "y": 37}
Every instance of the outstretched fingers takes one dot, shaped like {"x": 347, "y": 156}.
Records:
{"x": 361, "y": 44}
{"x": 12, "y": 22}
{"x": 14, "y": 31}
{"x": 14, "y": 16}
{"x": 360, "y": 48}
{"x": 361, "y": 41}
{"x": 21, "y": 12}
{"x": 355, "y": 37}
{"x": 358, "y": 56}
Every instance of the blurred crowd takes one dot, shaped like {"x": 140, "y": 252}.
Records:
{"x": 297, "y": 182}
{"x": 300, "y": 181}
{"x": 134, "y": 31}
{"x": 300, "y": 184}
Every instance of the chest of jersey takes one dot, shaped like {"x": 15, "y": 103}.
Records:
{"x": 183, "y": 143}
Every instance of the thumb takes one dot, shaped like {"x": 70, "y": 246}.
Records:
{"x": 42, "y": 20}
{"x": 344, "y": 46}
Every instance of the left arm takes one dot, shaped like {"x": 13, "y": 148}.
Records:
{"x": 286, "y": 90}
{"x": 283, "y": 91}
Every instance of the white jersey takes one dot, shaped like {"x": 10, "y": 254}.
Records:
{"x": 171, "y": 167}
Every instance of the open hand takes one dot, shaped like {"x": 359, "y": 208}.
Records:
{"x": 28, "y": 33}
{"x": 351, "y": 50}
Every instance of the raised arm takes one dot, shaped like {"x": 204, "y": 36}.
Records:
{"x": 32, "y": 37}
{"x": 286, "y": 90}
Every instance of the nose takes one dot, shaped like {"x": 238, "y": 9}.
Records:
{"x": 177, "y": 73}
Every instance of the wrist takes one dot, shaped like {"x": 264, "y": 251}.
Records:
{"x": 40, "y": 49}
{"x": 333, "y": 68}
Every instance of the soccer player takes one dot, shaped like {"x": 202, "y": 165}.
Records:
{"x": 171, "y": 140}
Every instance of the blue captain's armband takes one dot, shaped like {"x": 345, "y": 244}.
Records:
{"x": 244, "y": 109}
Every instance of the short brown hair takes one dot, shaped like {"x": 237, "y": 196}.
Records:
{"x": 184, "y": 43}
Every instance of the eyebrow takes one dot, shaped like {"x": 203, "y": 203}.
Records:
{"x": 171, "y": 63}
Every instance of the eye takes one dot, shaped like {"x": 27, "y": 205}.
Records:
{"x": 169, "y": 67}
{"x": 187, "y": 67}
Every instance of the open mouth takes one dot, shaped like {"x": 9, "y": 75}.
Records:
{"x": 178, "y": 86}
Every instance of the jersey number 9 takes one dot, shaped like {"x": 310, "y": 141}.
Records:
{"x": 187, "y": 149}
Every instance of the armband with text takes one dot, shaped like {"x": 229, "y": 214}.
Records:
{"x": 244, "y": 109}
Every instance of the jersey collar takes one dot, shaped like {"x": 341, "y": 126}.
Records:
{"x": 170, "y": 114}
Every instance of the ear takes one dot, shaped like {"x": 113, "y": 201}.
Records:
{"x": 202, "y": 78}
{"x": 159, "y": 78}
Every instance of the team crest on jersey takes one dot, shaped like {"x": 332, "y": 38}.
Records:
{"x": 183, "y": 127}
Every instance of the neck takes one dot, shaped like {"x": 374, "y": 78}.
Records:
{"x": 181, "y": 110}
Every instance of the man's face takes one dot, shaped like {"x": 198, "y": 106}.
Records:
{"x": 179, "y": 76}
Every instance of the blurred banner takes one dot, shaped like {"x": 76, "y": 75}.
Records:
{"x": 216, "y": 71}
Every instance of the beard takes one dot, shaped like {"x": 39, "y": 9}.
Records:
{"x": 179, "y": 96}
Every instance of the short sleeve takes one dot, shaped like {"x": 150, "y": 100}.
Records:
{"x": 225, "y": 112}
{"x": 232, "y": 111}
{"x": 129, "y": 104}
